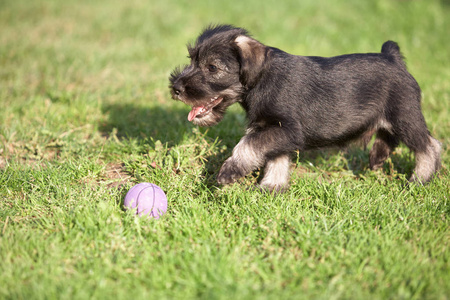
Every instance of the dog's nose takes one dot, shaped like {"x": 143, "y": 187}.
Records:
{"x": 177, "y": 88}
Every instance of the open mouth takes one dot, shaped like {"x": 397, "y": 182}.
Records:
{"x": 202, "y": 110}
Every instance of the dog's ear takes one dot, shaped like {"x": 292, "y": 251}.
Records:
{"x": 252, "y": 55}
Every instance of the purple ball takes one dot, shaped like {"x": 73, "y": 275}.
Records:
{"x": 147, "y": 199}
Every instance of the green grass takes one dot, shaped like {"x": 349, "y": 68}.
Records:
{"x": 85, "y": 114}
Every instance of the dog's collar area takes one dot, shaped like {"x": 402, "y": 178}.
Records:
{"x": 202, "y": 110}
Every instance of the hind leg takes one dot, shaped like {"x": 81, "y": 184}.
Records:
{"x": 428, "y": 161}
{"x": 384, "y": 144}
{"x": 414, "y": 133}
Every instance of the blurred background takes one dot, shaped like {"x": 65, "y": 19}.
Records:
{"x": 123, "y": 51}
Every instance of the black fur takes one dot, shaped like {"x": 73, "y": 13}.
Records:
{"x": 300, "y": 103}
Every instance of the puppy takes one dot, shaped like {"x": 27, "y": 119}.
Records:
{"x": 303, "y": 102}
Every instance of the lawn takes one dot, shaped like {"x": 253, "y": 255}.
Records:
{"x": 85, "y": 113}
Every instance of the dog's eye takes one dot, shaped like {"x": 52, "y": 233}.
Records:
{"x": 212, "y": 68}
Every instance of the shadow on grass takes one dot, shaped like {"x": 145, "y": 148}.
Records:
{"x": 170, "y": 126}
{"x": 133, "y": 121}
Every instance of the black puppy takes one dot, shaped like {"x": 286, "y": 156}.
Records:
{"x": 303, "y": 102}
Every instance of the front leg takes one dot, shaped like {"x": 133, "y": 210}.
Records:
{"x": 245, "y": 159}
{"x": 252, "y": 152}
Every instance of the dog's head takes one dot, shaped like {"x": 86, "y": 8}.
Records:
{"x": 225, "y": 63}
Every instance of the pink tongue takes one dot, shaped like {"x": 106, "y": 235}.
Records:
{"x": 194, "y": 112}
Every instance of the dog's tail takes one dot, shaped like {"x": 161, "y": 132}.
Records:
{"x": 392, "y": 50}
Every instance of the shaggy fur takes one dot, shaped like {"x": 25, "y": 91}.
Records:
{"x": 303, "y": 102}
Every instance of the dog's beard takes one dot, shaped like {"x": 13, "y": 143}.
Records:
{"x": 210, "y": 119}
